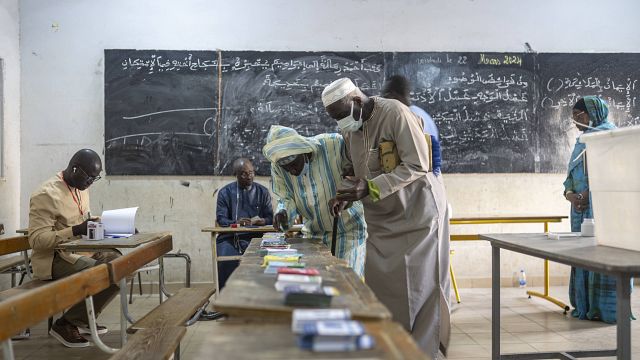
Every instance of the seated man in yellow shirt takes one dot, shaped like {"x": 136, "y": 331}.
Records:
{"x": 59, "y": 212}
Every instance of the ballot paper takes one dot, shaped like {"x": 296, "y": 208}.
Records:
{"x": 119, "y": 222}
{"x": 563, "y": 235}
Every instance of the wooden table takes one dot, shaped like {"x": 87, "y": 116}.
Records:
{"x": 110, "y": 243}
{"x": 583, "y": 253}
{"x": 217, "y": 230}
{"x": 528, "y": 219}
{"x": 121, "y": 243}
{"x": 240, "y": 340}
{"x": 251, "y": 293}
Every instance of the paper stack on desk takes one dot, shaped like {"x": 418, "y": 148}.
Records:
{"x": 272, "y": 243}
{"x": 274, "y": 266}
{"x": 563, "y": 235}
{"x": 309, "y": 295}
{"x": 119, "y": 222}
{"x": 295, "y": 279}
{"x": 334, "y": 335}
{"x": 284, "y": 258}
{"x": 300, "y": 317}
{"x": 277, "y": 252}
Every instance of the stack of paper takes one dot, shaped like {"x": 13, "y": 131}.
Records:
{"x": 305, "y": 316}
{"x": 274, "y": 243}
{"x": 294, "y": 279}
{"x": 277, "y": 252}
{"x": 287, "y": 258}
{"x": 119, "y": 222}
{"x": 334, "y": 335}
{"x": 274, "y": 266}
{"x": 309, "y": 295}
{"x": 298, "y": 271}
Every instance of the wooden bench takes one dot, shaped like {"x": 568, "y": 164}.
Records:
{"x": 153, "y": 344}
{"x": 166, "y": 323}
{"x": 39, "y": 300}
{"x": 177, "y": 310}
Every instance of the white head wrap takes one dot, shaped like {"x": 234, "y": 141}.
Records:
{"x": 337, "y": 90}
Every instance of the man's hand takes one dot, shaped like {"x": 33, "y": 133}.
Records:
{"x": 359, "y": 190}
{"x": 258, "y": 221}
{"x": 80, "y": 229}
{"x": 336, "y": 206}
{"x": 280, "y": 220}
{"x": 244, "y": 221}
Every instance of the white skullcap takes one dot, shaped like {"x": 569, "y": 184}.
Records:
{"x": 337, "y": 90}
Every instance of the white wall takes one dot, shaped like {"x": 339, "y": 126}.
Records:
{"x": 10, "y": 54}
{"x": 62, "y": 82}
{"x": 10, "y": 119}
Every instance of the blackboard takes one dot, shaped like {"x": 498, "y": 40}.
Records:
{"x": 160, "y": 112}
{"x": 566, "y": 77}
{"x": 195, "y": 112}
{"x": 482, "y": 104}
{"x": 264, "y": 88}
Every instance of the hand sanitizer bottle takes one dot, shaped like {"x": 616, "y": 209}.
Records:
{"x": 522, "y": 278}
{"x": 588, "y": 227}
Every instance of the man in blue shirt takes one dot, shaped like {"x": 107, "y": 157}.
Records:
{"x": 244, "y": 203}
{"x": 398, "y": 87}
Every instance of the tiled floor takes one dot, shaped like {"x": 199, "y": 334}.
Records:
{"x": 527, "y": 325}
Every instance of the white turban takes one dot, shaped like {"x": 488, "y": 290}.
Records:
{"x": 337, "y": 90}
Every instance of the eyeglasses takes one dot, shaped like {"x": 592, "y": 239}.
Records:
{"x": 90, "y": 179}
{"x": 246, "y": 174}
{"x": 575, "y": 115}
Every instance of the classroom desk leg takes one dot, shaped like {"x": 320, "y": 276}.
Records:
{"x": 91, "y": 316}
{"x": 214, "y": 263}
{"x": 7, "y": 349}
{"x": 124, "y": 311}
{"x": 495, "y": 303}
{"x": 546, "y": 295}
{"x": 623, "y": 328}
{"x": 163, "y": 290}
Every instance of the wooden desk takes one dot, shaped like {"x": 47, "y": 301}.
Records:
{"x": 123, "y": 243}
{"x": 111, "y": 243}
{"x": 251, "y": 293}
{"x": 216, "y": 230}
{"x": 581, "y": 252}
{"x": 483, "y": 220}
{"x": 238, "y": 339}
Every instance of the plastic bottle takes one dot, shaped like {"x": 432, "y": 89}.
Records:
{"x": 588, "y": 227}
{"x": 522, "y": 278}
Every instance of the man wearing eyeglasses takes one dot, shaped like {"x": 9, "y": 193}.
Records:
{"x": 59, "y": 212}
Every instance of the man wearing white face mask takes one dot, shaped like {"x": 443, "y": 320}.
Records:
{"x": 405, "y": 209}
{"x": 305, "y": 173}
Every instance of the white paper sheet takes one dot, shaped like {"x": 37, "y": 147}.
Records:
{"x": 120, "y": 222}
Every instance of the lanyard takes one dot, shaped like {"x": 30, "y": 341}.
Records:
{"x": 76, "y": 197}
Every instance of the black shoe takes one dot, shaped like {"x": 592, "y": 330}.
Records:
{"x": 210, "y": 315}
{"x": 68, "y": 334}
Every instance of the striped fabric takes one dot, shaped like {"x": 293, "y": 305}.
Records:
{"x": 308, "y": 195}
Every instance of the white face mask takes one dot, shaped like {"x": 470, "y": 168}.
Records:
{"x": 348, "y": 123}
{"x": 586, "y": 126}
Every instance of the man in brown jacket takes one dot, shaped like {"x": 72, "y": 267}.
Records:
{"x": 59, "y": 212}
